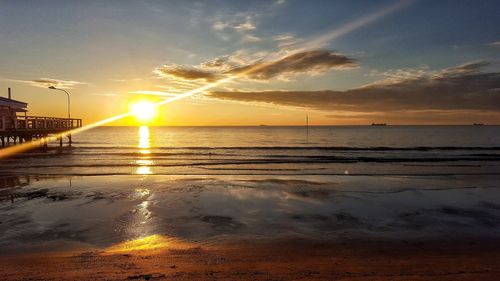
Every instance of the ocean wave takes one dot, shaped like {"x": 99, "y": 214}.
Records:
{"x": 346, "y": 148}
{"x": 264, "y": 161}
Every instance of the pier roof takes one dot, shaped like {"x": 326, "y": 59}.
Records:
{"x": 14, "y": 104}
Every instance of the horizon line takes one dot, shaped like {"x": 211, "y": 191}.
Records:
{"x": 319, "y": 125}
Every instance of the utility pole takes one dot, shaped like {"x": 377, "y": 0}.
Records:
{"x": 307, "y": 127}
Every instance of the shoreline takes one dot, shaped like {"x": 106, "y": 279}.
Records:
{"x": 296, "y": 259}
{"x": 250, "y": 228}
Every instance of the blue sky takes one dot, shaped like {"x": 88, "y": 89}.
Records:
{"x": 115, "y": 49}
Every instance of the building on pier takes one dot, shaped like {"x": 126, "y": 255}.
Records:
{"x": 17, "y": 126}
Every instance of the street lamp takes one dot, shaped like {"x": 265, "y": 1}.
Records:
{"x": 54, "y": 88}
{"x": 70, "y": 123}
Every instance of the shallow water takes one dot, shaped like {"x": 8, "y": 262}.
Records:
{"x": 211, "y": 185}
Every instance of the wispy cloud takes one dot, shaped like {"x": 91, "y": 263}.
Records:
{"x": 310, "y": 62}
{"x": 495, "y": 44}
{"x": 152, "y": 93}
{"x": 246, "y": 26}
{"x": 236, "y": 22}
{"x": 220, "y": 25}
{"x": 283, "y": 37}
{"x": 48, "y": 82}
{"x": 251, "y": 38}
{"x": 242, "y": 25}
{"x": 107, "y": 94}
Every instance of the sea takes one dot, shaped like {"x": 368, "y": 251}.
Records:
{"x": 325, "y": 150}
{"x": 215, "y": 184}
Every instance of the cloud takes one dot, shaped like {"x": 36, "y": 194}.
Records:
{"x": 152, "y": 93}
{"x": 287, "y": 41}
{"x": 216, "y": 64}
{"x": 462, "y": 87}
{"x": 495, "y": 44}
{"x": 185, "y": 73}
{"x": 307, "y": 62}
{"x": 50, "y": 82}
{"x": 251, "y": 38}
{"x": 107, "y": 94}
{"x": 283, "y": 37}
{"x": 461, "y": 70}
{"x": 220, "y": 25}
{"x": 236, "y": 23}
{"x": 245, "y": 26}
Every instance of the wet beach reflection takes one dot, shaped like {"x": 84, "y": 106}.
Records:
{"x": 104, "y": 211}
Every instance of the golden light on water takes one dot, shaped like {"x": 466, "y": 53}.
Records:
{"x": 144, "y": 140}
{"x": 144, "y": 161}
{"x": 148, "y": 243}
{"x": 144, "y": 170}
{"x": 142, "y": 192}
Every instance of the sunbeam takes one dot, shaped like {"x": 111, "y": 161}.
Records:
{"x": 313, "y": 43}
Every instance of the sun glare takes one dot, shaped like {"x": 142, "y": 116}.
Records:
{"x": 144, "y": 111}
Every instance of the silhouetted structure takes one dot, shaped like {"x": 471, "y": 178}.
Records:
{"x": 17, "y": 126}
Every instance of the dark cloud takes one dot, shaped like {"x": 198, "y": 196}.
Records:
{"x": 186, "y": 73}
{"x": 317, "y": 61}
{"x": 463, "y": 87}
{"x": 308, "y": 62}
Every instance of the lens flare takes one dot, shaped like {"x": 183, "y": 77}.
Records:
{"x": 147, "y": 110}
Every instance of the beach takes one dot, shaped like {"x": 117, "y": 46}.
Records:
{"x": 285, "y": 260}
{"x": 237, "y": 227}
{"x": 150, "y": 209}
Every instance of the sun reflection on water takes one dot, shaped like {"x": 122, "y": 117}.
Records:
{"x": 144, "y": 144}
{"x": 144, "y": 170}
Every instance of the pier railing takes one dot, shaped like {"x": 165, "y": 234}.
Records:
{"x": 41, "y": 123}
{"x": 48, "y": 123}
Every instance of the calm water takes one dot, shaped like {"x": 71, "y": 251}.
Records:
{"x": 215, "y": 184}
{"x": 267, "y": 150}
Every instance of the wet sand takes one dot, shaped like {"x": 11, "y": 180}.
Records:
{"x": 269, "y": 260}
{"x": 250, "y": 228}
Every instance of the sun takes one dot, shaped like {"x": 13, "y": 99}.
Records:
{"x": 144, "y": 111}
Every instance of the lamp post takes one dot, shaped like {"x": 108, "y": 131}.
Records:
{"x": 70, "y": 123}
{"x": 54, "y": 88}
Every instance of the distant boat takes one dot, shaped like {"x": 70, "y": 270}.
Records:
{"x": 262, "y": 125}
{"x": 379, "y": 124}
{"x": 478, "y": 124}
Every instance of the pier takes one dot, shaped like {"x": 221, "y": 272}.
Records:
{"x": 16, "y": 126}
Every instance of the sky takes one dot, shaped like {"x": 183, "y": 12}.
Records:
{"x": 260, "y": 62}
